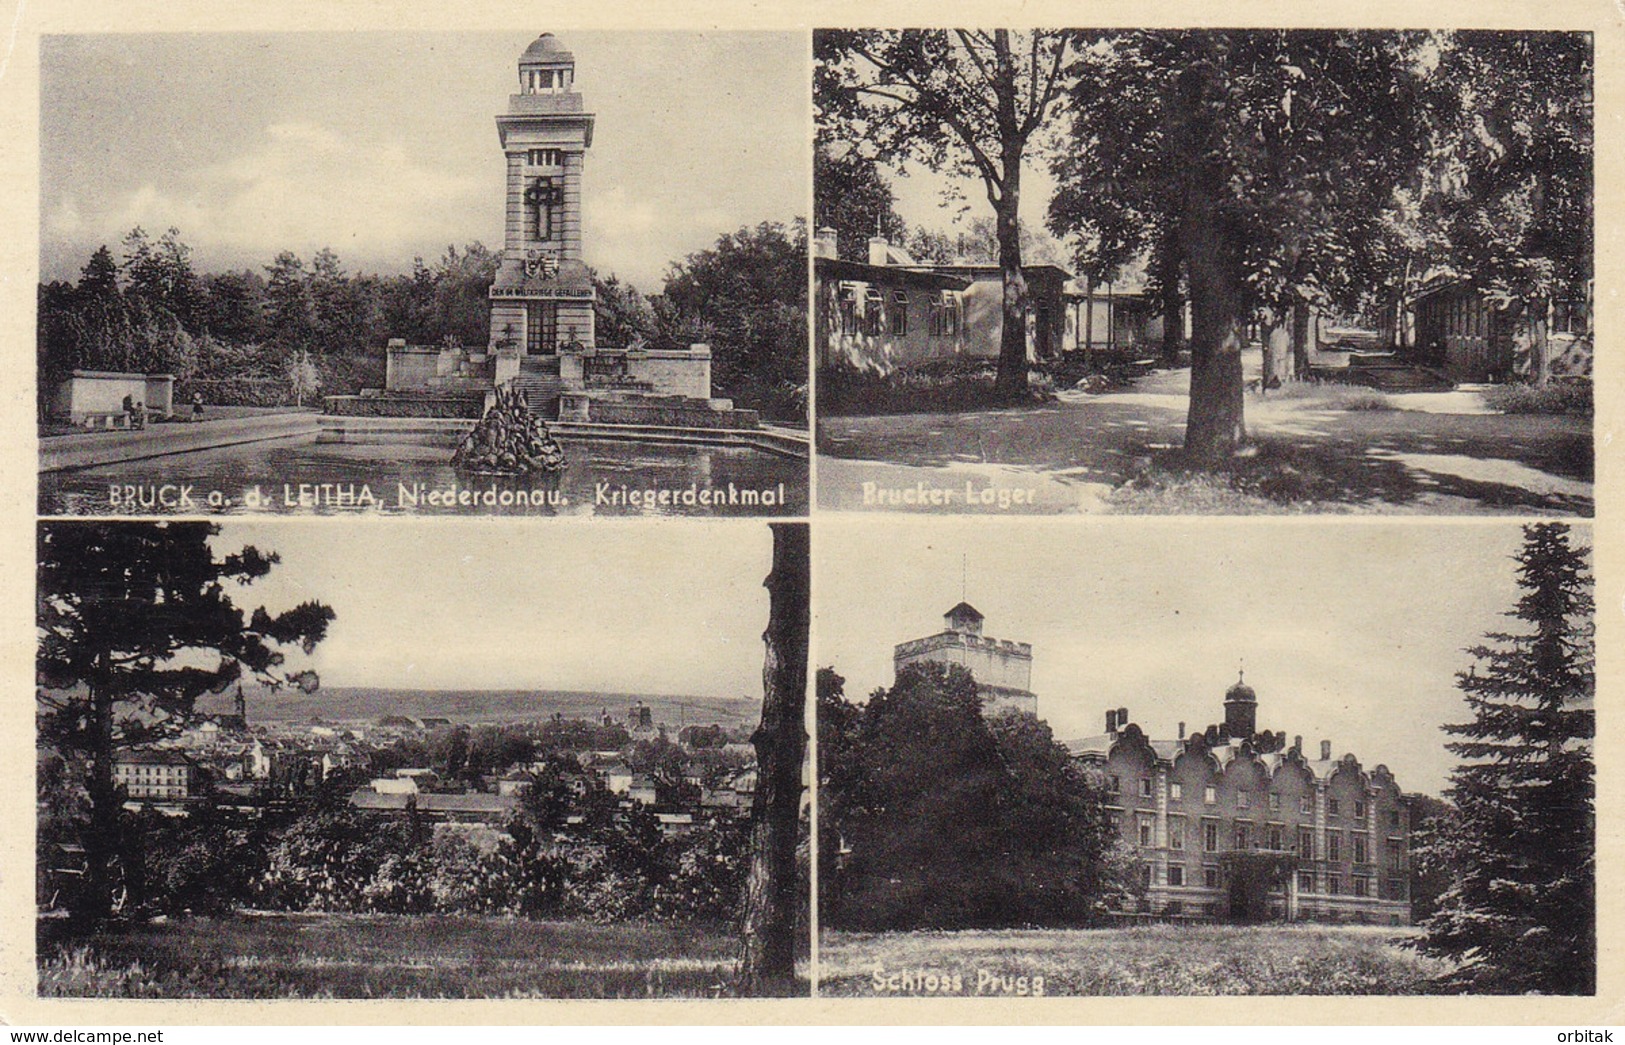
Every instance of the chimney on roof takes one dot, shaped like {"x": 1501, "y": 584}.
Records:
{"x": 1122, "y": 718}
{"x": 1325, "y": 750}
{"x": 1111, "y": 721}
{"x": 1182, "y": 731}
{"x": 879, "y": 250}
{"x": 1297, "y": 744}
{"x": 824, "y": 243}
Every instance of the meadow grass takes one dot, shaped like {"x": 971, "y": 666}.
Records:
{"x": 384, "y": 956}
{"x": 1148, "y": 960}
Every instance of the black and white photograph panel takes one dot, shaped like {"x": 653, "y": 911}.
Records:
{"x": 1204, "y": 271}
{"x": 557, "y": 763}
{"x": 423, "y": 273}
{"x": 1194, "y": 759}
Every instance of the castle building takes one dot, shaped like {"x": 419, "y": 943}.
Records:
{"x": 1003, "y": 669}
{"x": 1232, "y": 823}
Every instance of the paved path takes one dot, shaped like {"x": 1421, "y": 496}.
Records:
{"x": 89, "y": 449}
{"x": 1076, "y": 451}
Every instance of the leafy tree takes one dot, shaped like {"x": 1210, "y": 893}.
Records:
{"x": 747, "y": 298}
{"x": 234, "y": 306}
{"x": 1520, "y": 915}
{"x": 288, "y": 316}
{"x": 943, "y": 819}
{"x": 968, "y": 102}
{"x": 135, "y": 622}
{"x": 621, "y": 314}
{"x": 1513, "y": 184}
{"x": 851, "y": 196}
{"x": 1261, "y": 159}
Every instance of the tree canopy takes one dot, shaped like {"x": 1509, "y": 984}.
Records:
{"x": 959, "y": 101}
{"x": 945, "y": 819}
{"x": 135, "y": 622}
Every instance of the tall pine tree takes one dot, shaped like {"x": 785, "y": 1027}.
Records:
{"x": 1520, "y": 915}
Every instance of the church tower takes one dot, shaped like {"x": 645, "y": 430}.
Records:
{"x": 543, "y": 297}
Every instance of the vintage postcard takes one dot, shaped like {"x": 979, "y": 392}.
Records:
{"x": 1074, "y": 270}
{"x": 429, "y": 273}
{"x": 1181, "y": 760}
{"x": 883, "y": 339}
{"x": 273, "y": 762}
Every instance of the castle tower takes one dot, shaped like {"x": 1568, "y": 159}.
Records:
{"x": 1002, "y": 669}
{"x": 542, "y": 297}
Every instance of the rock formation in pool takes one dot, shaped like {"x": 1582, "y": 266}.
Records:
{"x": 509, "y": 440}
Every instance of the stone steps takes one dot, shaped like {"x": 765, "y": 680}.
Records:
{"x": 541, "y": 392}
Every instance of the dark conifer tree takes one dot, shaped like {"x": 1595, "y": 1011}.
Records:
{"x": 1520, "y": 915}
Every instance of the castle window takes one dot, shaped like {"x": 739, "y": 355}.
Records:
{"x": 1176, "y": 835}
{"x": 545, "y": 157}
{"x": 1361, "y": 849}
{"x": 899, "y": 313}
{"x": 1145, "y": 832}
{"x": 1334, "y": 847}
{"x": 1210, "y": 877}
{"x": 1396, "y": 888}
{"x": 1331, "y": 806}
{"x": 1396, "y": 860}
{"x": 1240, "y": 837}
{"x": 1210, "y": 838}
{"x": 1362, "y": 886}
{"x": 1176, "y": 875}
{"x": 1306, "y": 881}
{"x": 1243, "y": 799}
{"x": 873, "y": 312}
{"x": 1305, "y": 805}
{"x": 1334, "y": 885}
{"x": 1117, "y": 784}
{"x": 1306, "y": 843}
{"x": 1145, "y": 787}
{"x": 1275, "y": 800}
{"x": 1176, "y": 791}
{"x": 1275, "y": 838}
{"x": 1359, "y": 809}
{"x": 1393, "y": 818}
{"x": 1210, "y": 795}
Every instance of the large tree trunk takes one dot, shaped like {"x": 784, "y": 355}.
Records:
{"x": 1011, "y": 383}
{"x": 102, "y": 839}
{"x": 1173, "y": 307}
{"x": 1540, "y": 344}
{"x": 1300, "y": 339}
{"x": 1215, "y": 426}
{"x": 772, "y": 896}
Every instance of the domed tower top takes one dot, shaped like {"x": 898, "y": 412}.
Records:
{"x": 1241, "y": 708}
{"x": 546, "y": 67}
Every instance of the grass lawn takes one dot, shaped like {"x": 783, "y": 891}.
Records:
{"x": 1160, "y": 959}
{"x": 354, "y": 956}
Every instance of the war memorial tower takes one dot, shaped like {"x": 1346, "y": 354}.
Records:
{"x": 543, "y": 297}
{"x": 542, "y": 341}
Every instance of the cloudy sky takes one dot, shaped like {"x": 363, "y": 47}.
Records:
{"x": 384, "y": 145}
{"x": 676, "y": 609}
{"x": 1349, "y": 632}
